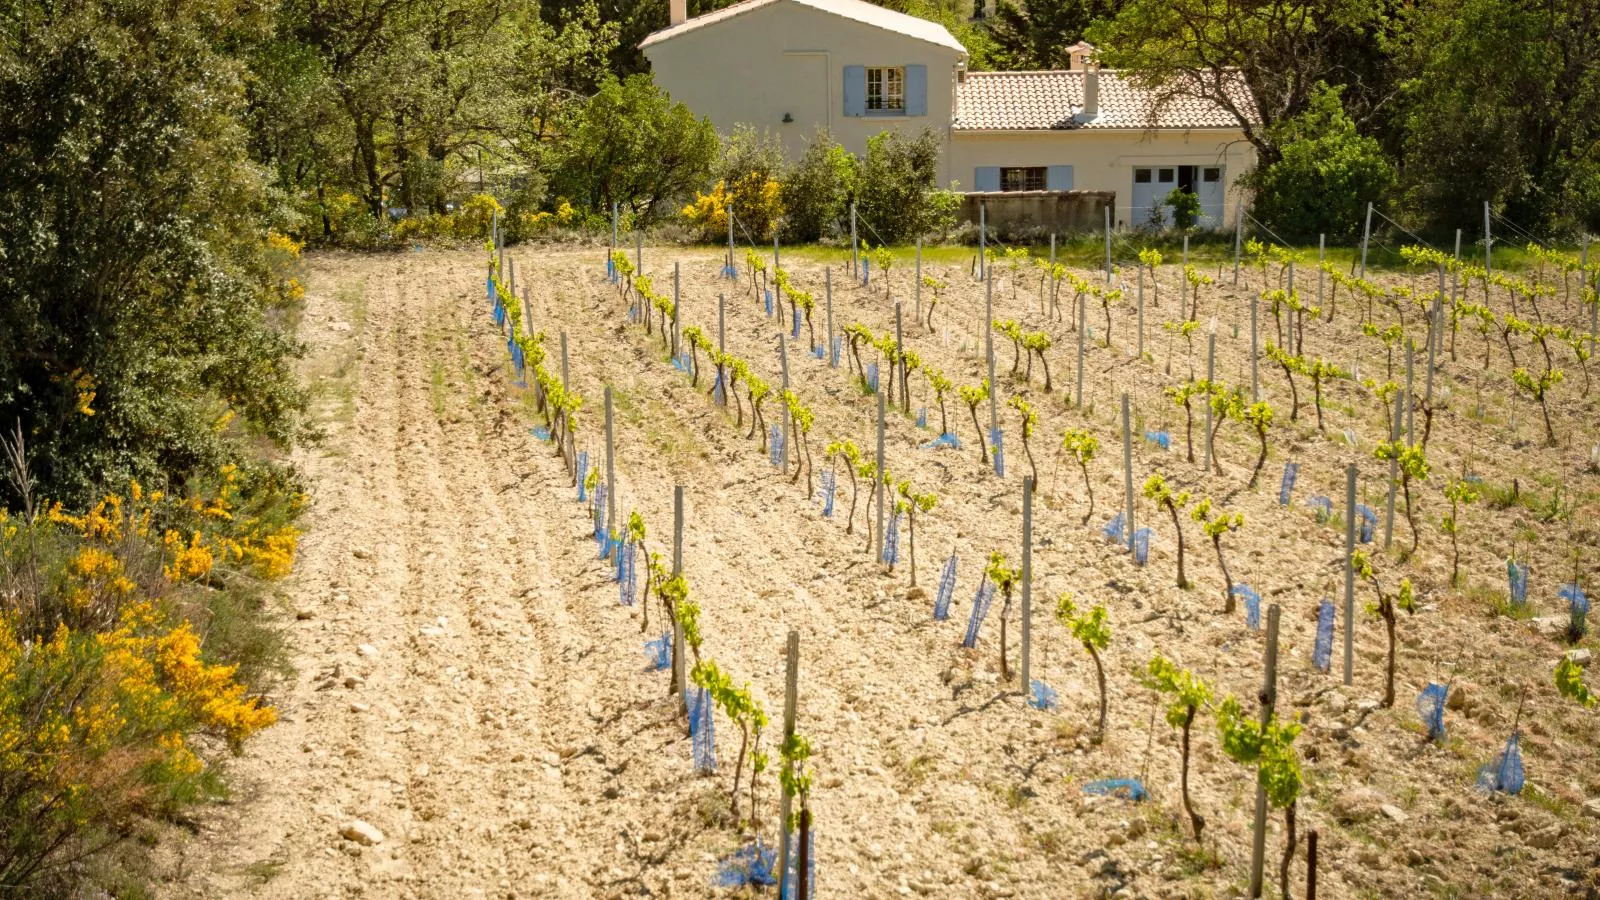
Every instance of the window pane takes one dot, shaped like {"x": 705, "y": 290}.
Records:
{"x": 886, "y": 89}
{"x": 1141, "y": 176}
{"x": 1213, "y": 175}
{"x": 1166, "y": 176}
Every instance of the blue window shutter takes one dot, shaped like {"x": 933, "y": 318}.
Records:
{"x": 1058, "y": 178}
{"x": 916, "y": 90}
{"x": 855, "y": 90}
{"x": 987, "y": 178}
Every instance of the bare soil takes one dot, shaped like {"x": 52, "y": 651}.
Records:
{"x": 467, "y": 682}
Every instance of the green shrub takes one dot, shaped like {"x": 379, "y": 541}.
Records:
{"x": 817, "y": 190}
{"x": 897, "y": 193}
{"x": 1326, "y": 175}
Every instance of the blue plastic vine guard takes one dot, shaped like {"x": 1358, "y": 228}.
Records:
{"x": 997, "y": 438}
{"x": 1322, "y": 653}
{"x": 947, "y": 590}
{"x": 1577, "y": 608}
{"x": 769, "y": 301}
{"x": 1322, "y": 508}
{"x": 1368, "y": 524}
{"x": 702, "y": 731}
{"x": 1517, "y": 575}
{"x": 1126, "y": 788}
{"x": 583, "y": 470}
{"x": 1141, "y": 546}
{"x": 829, "y": 483}
{"x": 795, "y": 332}
{"x": 1291, "y": 471}
{"x": 658, "y": 653}
{"x": 866, "y": 267}
{"x": 1159, "y": 438}
{"x": 922, "y": 417}
{"x": 891, "y": 541}
{"x": 980, "y": 609}
{"x": 540, "y": 433}
{"x": 872, "y": 377}
{"x": 1114, "y": 529}
{"x": 775, "y": 446}
{"x": 944, "y": 440}
{"x": 1430, "y": 707}
{"x": 1042, "y": 696}
{"x": 838, "y": 344}
{"x": 750, "y": 866}
{"x": 1252, "y": 605}
{"x": 1504, "y": 775}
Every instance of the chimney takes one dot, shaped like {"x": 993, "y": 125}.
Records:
{"x": 1091, "y": 93}
{"x": 677, "y": 12}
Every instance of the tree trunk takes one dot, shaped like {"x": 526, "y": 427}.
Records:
{"x": 1178, "y": 527}
{"x": 1227, "y": 580}
{"x": 1087, "y": 486}
{"x": 1289, "y": 842}
{"x": 1386, "y": 609}
{"x": 983, "y": 448}
{"x": 1100, "y": 678}
{"x": 1195, "y": 821}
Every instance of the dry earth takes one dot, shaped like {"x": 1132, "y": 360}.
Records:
{"x": 467, "y": 683}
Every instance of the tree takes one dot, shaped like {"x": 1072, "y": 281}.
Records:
{"x": 1157, "y": 490}
{"x": 633, "y": 146}
{"x": 817, "y": 189}
{"x": 897, "y": 191}
{"x": 1189, "y": 694}
{"x": 1083, "y": 446}
{"x": 1094, "y": 634}
{"x": 1202, "y": 49}
{"x": 1326, "y": 174}
{"x": 138, "y": 307}
{"x": 1037, "y": 36}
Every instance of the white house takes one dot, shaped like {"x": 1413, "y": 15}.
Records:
{"x": 855, "y": 68}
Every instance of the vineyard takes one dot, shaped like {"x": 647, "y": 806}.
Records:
{"x": 1051, "y": 611}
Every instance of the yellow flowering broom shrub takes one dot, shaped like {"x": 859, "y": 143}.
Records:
{"x": 110, "y": 699}
{"x": 757, "y": 205}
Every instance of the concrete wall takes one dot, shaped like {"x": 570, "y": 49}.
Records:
{"x": 754, "y": 67}
{"x": 1103, "y": 160}
{"x": 1060, "y": 212}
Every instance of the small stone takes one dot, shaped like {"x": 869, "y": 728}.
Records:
{"x": 1394, "y": 812}
{"x": 361, "y": 553}
{"x": 302, "y": 615}
{"x": 358, "y": 707}
{"x": 917, "y": 593}
{"x": 421, "y": 771}
{"x": 1336, "y": 703}
{"x": 361, "y": 833}
{"x": 1545, "y": 838}
{"x": 354, "y": 681}
{"x": 1367, "y": 706}
{"x": 1580, "y": 657}
{"x": 1357, "y": 805}
{"x": 367, "y": 650}
{"x": 1591, "y": 808}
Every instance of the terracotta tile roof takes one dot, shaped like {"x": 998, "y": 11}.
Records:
{"x": 856, "y": 10}
{"x": 1048, "y": 101}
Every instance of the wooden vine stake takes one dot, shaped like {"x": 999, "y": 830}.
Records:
{"x": 1269, "y": 699}
{"x": 1349, "y": 571}
{"x": 1127, "y": 472}
{"x": 566, "y": 383}
{"x": 680, "y": 672}
{"x": 1027, "y": 583}
{"x": 790, "y": 695}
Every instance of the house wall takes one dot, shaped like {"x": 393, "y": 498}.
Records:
{"x": 1105, "y": 160}
{"x": 785, "y": 58}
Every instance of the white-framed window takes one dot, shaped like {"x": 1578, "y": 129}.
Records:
{"x": 886, "y": 89}
{"x": 1022, "y": 178}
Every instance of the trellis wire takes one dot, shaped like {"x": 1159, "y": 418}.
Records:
{"x": 1577, "y": 608}
{"x": 829, "y": 482}
{"x": 1252, "y": 605}
{"x": 1322, "y": 654}
{"x": 980, "y": 608}
{"x": 1430, "y": 707}
{"x": 1504, "y": 775}
{"x": 1517, "y": 575}
{"x": 891, "y": 541}
{"x": 1291, "y": 471}
{"x": 749, "y": 866}
{"x": 1141, "y": 546}
{"x": 1042, "y": 696}
{"x": 658, "y": 653}
{"x": 1160, "y": 438}
{"x": 702, "y": 732}
{"x": 775, "y": 446}
{"x": 947, "y": 590}
{"x": 1126, "y": 788}
{"x": 1322, "y": 507}
{"x": 1114, "y": 529}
